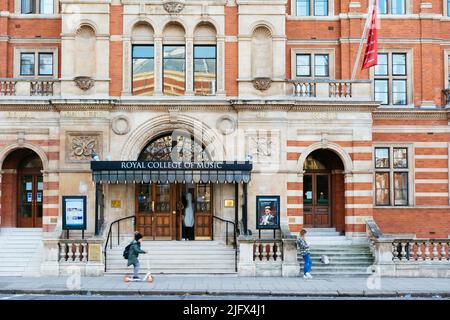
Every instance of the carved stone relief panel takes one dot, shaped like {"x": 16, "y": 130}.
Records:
{"x": 264, "y": 147}
{"x": 81, "y": 145}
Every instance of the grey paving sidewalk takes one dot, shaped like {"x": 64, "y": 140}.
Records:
{"x": 229, "y": 285}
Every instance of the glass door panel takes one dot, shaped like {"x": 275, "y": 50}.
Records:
{"x": 322, "y": 192}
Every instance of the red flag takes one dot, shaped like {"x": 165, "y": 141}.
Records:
{"x": 371, "y": 54}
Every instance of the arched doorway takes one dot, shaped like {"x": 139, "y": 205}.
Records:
{"x": 323, "y": 191}
{"x": 160, "y": 206}
{"x": 22, "y": 189}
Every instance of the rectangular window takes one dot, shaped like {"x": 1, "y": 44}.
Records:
{"x": 46, "y": 6}
{"x": 398, "y": 6}
{"x": 381, "y": 158}
{"x": 381, "y": 69}
{"x": 382, "y": 188}
{"x": 448, "y": 8}
{"x": 45, "y": 64}
{"x": 399, "y": 92}
{"x": 174, "y": 73}
{"x": 143, "y": 76}
{"x": 28, "y": 6}
{"x": 393, "y": 174}
{"x": 303, "y": 8}
{"x": 205, "y": 70}
{"x": 320, "y": 7}
{"x": 321, "y": 65}
{"x": 400, "y": 188}
{"x": 399, "y": 64}
{"x": 382, "y": 91}
{"x": 400, "y": 158}
{"x": 27, "y": 64}
{"x": 303, "y": 65}
{"x": 391, "y": 82}
{"x": 317, "y": 8}
{"x": 382, "y": 6}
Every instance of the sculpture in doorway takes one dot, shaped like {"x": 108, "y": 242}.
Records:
{"x": 188, "y": 218}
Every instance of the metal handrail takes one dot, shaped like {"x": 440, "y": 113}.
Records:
{"x": 118, "y": 235}
{"x": 234, "y": 238}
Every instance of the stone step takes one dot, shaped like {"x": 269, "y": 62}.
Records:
{"x": 11, "y": 273}
{"x": 208, "y": 271}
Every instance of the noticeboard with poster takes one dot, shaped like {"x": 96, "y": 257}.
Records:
{"x": 74, "y": 212}
{"x": 267, "y": 212}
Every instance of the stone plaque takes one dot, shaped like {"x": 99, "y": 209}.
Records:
{"x": 95, "y": 253}
{"x": 116, "y": 204}
{"x": 229, "y": 203}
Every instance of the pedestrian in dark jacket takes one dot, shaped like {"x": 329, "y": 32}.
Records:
{"x": 135, "y": 250}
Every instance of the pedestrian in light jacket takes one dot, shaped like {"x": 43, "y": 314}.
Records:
{"x": 135, "y": 250}
{"x": 304, "y": 251}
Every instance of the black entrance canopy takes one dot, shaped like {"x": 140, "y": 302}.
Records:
{"x": 171, "y": 172}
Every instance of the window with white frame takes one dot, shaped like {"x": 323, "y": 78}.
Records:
{"x": 448, "y": 69}
{"x": 312, "y": 65}
{"x": 312, "y": 7}
{"x": 391, "y": 176}
{"x": 391, "y": 6}
{"x": 390, "y": 79}
{"x": 36, "y": 64}
{"x": 37, "y": 6}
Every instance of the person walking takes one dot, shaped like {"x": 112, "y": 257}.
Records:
{"x": 304, "y": 251}
{"x": 133, "y": 256}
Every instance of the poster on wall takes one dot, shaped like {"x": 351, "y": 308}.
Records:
{"x": 74, "y": 212}
{"x": 267, "y": 212}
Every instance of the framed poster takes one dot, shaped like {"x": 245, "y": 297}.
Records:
{"x": 267, "y": 212}
{"x": 74, "y": 212}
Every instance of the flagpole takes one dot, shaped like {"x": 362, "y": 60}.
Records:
{"x": 355, "y": 66}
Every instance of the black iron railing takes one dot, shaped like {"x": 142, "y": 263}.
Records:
{"x": 109, "y": 237}
{"x": 228, "y": 222}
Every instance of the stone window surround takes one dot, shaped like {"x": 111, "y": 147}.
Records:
{"x": 36, "y": 50}
{"x": 446, "y": 68}
{"x": 410, "y": 169}
{"x": 293, "y": 13}
{"x": 409, "y": 76}
{"x": 331, "y": 62}
{"x": 18, "y": 11}
{"x": 158, "y": 43}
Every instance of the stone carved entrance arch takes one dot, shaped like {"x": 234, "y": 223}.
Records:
{"x": 156, "y": 127}
{"x": 15, "y": 146}
{"x": 343, "y": 155}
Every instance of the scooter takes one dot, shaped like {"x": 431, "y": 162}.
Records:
{"x": 147, "y": 278}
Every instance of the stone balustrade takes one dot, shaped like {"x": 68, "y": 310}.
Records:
{"x": 408, "y": 257}
{"x": 324, "y": 89}
{"x": 29, "y": 87}
{"x": 267, "y": 257}
{"x": 408, "y": 250}
{"x": 61, "y": 256}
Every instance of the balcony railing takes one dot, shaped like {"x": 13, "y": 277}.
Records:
{"x": 28, "y": 87}
{"x": 447, "y": 97}
{"x": 331, "y": 89}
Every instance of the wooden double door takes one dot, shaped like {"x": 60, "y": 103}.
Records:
{"x": 160, "y": 209}
{"x": 30, "y": 198}
{"x": 317, "y": 200}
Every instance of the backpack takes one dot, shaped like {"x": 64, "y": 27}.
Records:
{"x": 126, "y": 252}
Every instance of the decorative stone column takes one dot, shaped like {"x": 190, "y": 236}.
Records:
{"x": 158, "y": 66}
{"x": 189, "y": 66}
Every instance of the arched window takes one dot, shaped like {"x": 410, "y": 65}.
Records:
{"x": 143, "y": 60}
{"x": 177, "y": 146}
{"x": 174, "y": 60}
{"x": 205, "y": 60}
